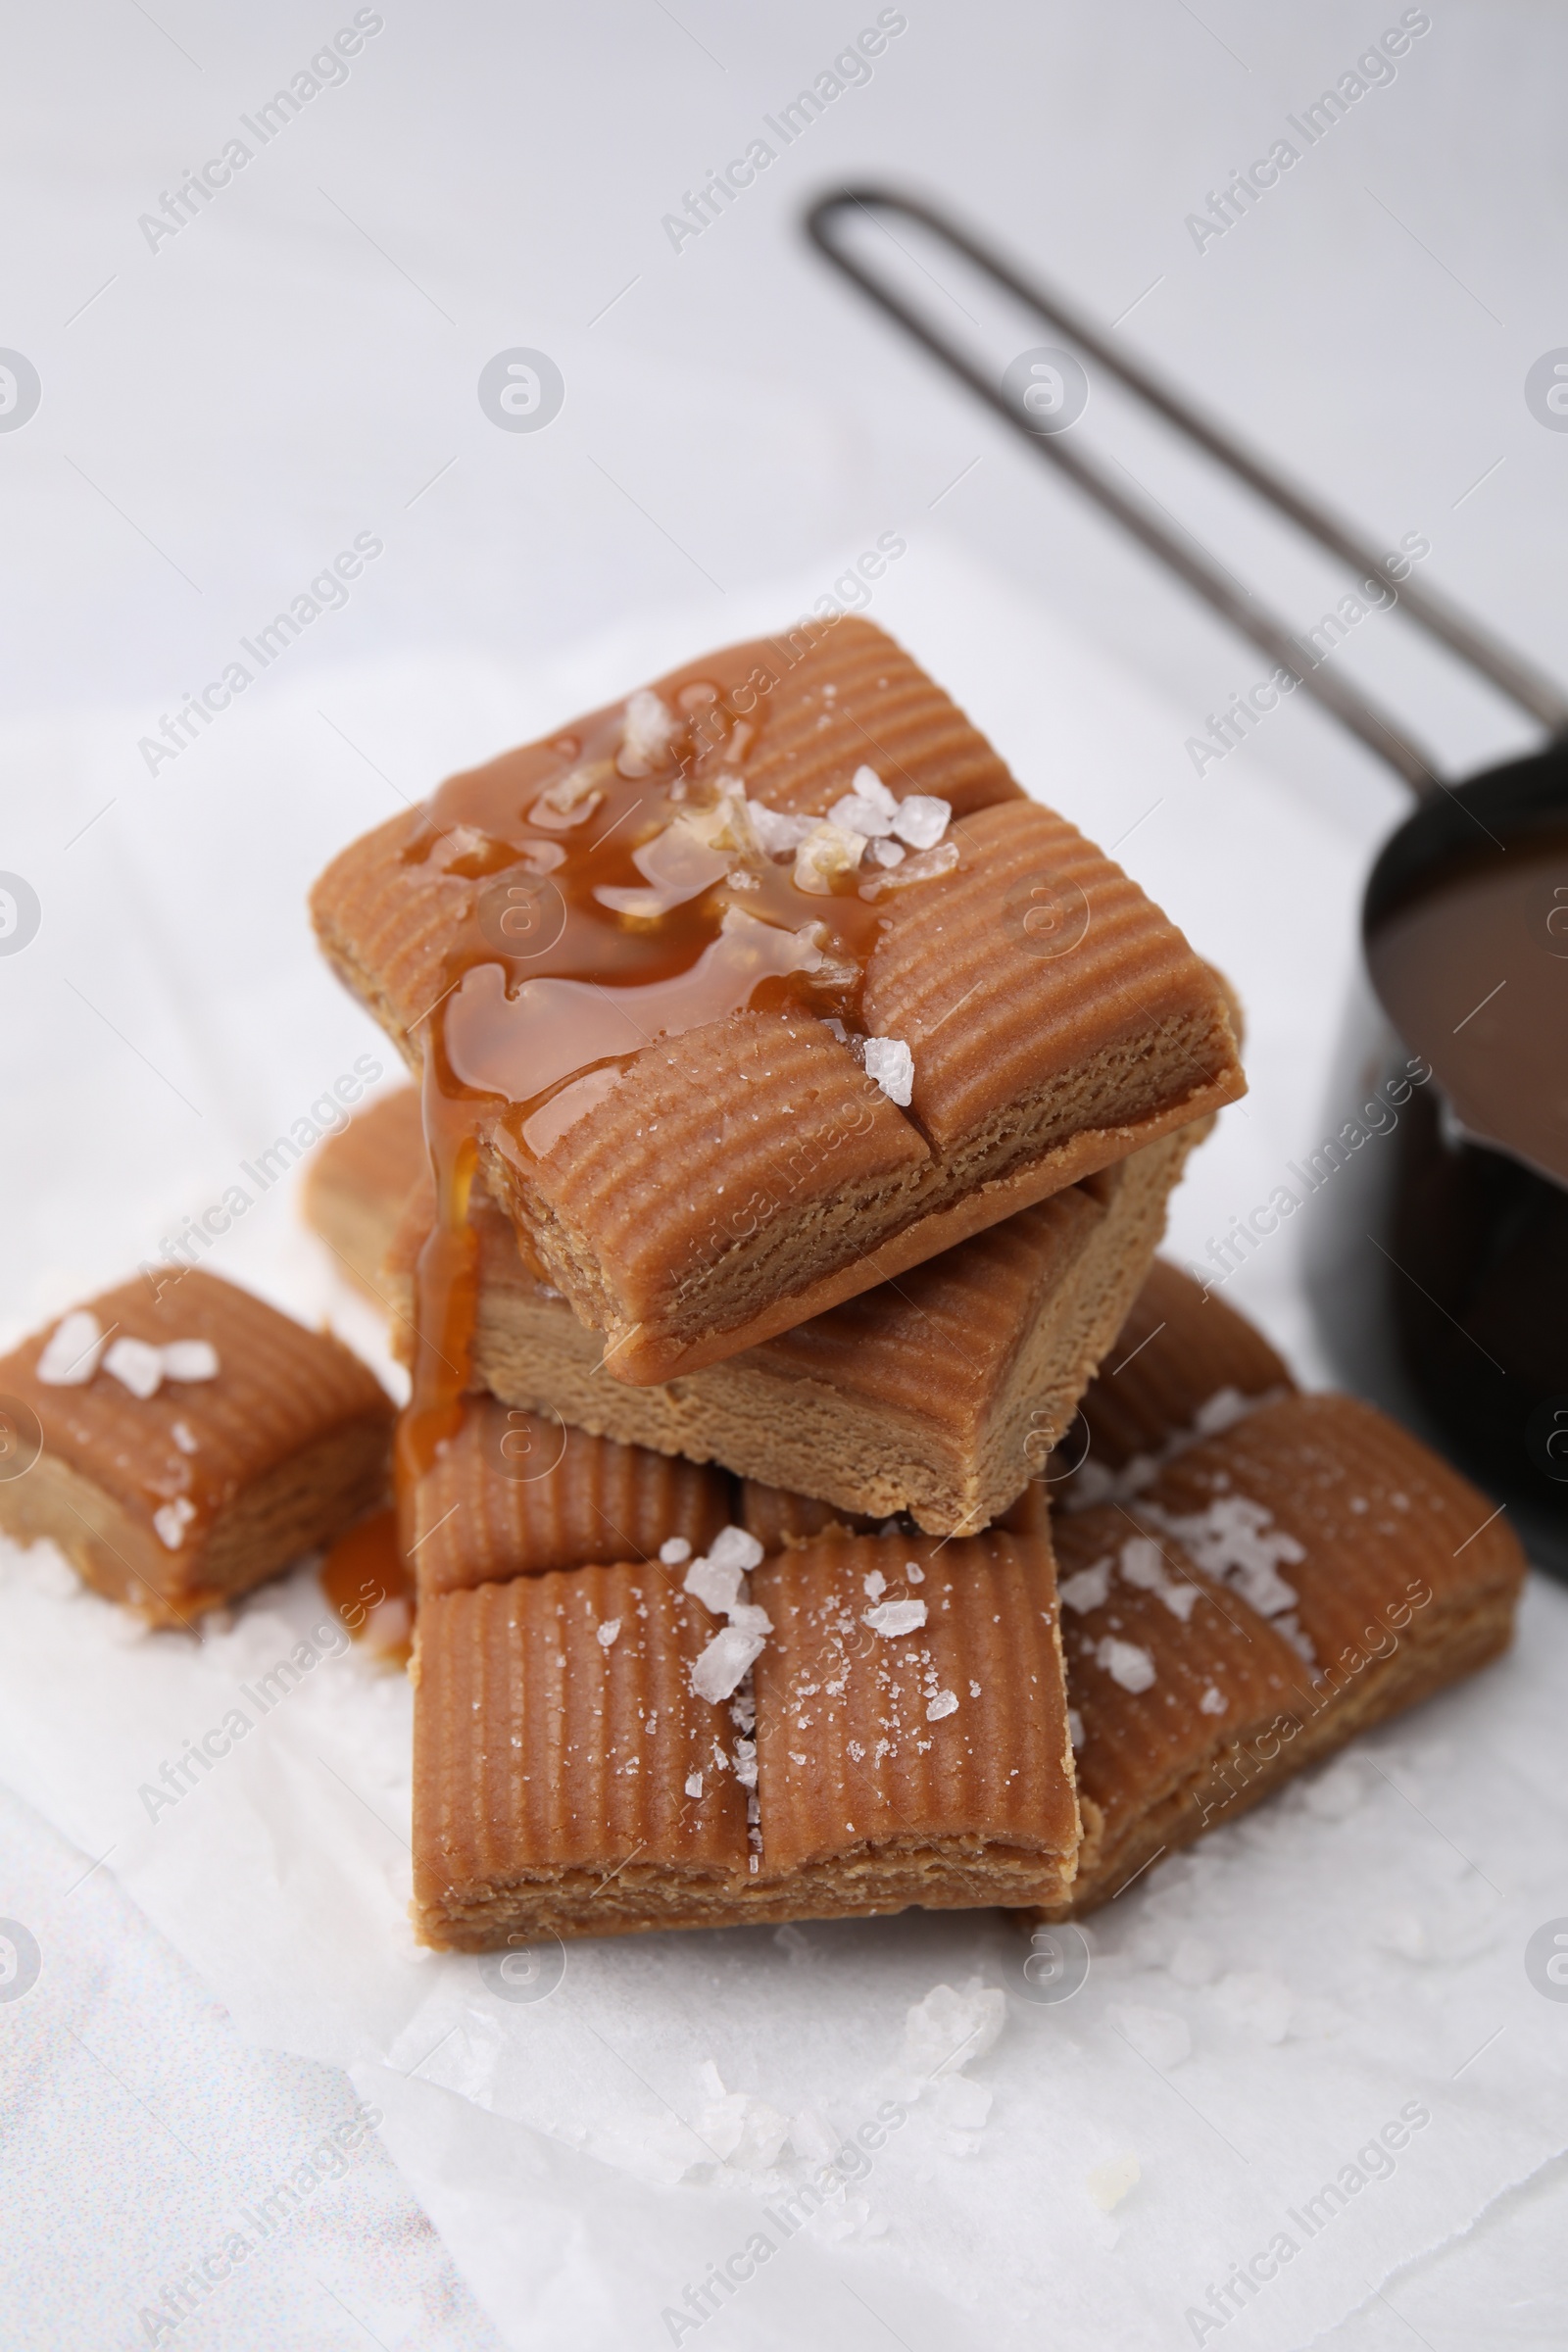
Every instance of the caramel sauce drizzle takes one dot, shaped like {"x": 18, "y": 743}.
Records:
{"x": 617, "y": 907}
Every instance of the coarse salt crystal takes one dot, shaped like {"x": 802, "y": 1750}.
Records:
{"x": 921, "y": 820}
{"x": 915, "y": 1572}
{"x": 136, "y": 1366}
{"x": 886, "y": 853}
{"x": 694, "y": 1783}
{"x": 70, "y": 1353}
{"x": 893, "y": 1617}
{"x": 874, "y": 1585}
{"x": 827, "y": 852}
{"x": 676, "y": 1552}
{"x": 1089, "y": 1588}
{"x": 609, "y": 1632}
{"x": 1143, "y": 1564}
{"x": 945, "y": 1702}
{"x": 1212, "y": 1701}
{"x": 647, "y": 726}
{"x": 182, "y": 1434}
{"x": 715, "y": 1585}
{"x": 172, "y": 1521}
{"x": 725, "y": 1663}
{"x": 733, "y": 1546}
{"x": 890, "y": 1063}
{"x": 779, "y": 835}
{"x": 1125, "y": 1663}
{"x": 190, "y": 1359}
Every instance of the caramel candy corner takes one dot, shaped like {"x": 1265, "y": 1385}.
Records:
{"x": 183, "y": 1442}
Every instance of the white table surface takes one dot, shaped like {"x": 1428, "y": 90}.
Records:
{"x": 298, "y": 365}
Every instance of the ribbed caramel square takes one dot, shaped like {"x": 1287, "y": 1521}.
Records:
{"x": 176, "y": 1502}
{"x": 1341, "y": 1572}
{"x": 1058, "y": 1021}
{"x": 941, "y": 1751}
{"x": 937, "y": 1394}
{"x": 514, "y": 1493}
{"x": 555, "y": 1733}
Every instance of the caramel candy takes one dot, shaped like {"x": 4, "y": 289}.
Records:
{"x": 1273, "y": 1591}
{"x": 717, "y": 1094}
{"x": 183, "y": 1444}
{"x": 938, "y": 1395}
{"x": 585, "y": 1766}
{"x": 358, "y": 1180}
{"x": 517, "y": 1492}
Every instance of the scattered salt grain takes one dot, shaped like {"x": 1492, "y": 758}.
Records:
{"x": 915, "y": 1572}
{"x": 893, "y": 1617}
{"x": 1212, "y": 1701}
{"x": 676, "y": 1552}
{"x": 1125, "y": 1663}
{"x": 874, "y": 1585}
{"x": 1222, "y": 1411}
{"x": 826, "y": 852}
{"x": 171, "y": 1520}
{"x": 945, "y": 1702}
{"x": 649, "y": 725}
{"x": 948, "y": 2028}
{"x": 1108, "y": 2184}
{"x": 1088, "y": 1587}
{"x": 609, "y": 1632}
{"x": 136, "y": 1366}
{"x": 70, "y": 1353}
{"x": 1143, "y": 1564}
{"x": 190, "y": 1359}
{"x": 724, "y": 1664}
{"x": 890, "y": 1063}
{"x": 921, "y": 820}
{"x": 780, "y": 836}
{"x": 694, "y": 1783}
{"x": 182, "y": 1434}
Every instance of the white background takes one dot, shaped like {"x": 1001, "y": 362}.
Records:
{"x": 299, "y": 363}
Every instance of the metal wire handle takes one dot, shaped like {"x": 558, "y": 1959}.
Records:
{"x": 1505, "y": 669}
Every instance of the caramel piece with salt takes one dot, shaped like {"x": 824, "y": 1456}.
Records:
{"x": 570, "y": 1778}
{"x": 676, "y": 1014}
{"x": 242, "y": 1442}
{"x": 1274, "y": 1591}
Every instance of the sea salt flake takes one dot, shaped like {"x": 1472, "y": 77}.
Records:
{"x": 674, "y": 1551}
{"x": 925, "y": 867}
{"x": 172, "y": 1521}
{"x": 724, "y": 1663}
{"x": 826, "y": 852}
{"x": 715, "y": 1584}
{"x": 1212, "y": 1701}
{"x": 856, "y": 815}
{"x": 890, "y": 1063}
{"x": 733, "y": 1546}
{"x": 1087, "y": 1588}
{"x": 70, "y": 1356}
{"x": 915, "y": 1572}
{"x": 136, "y": 1366}
{"x": 1108, "y": 2184}
{"x": 886, "y": 853}
{"x": 950, "y": 2029}
{"x": 874, "y": 1585}
{"x": 1222, "y": 1411}
{"x": 649, "y": 725}
{"x": 190, "y": 1360}
{"x": 921, "y": 820}
{"x": 893, "y": 1617}
{"x": 1132, "y": 1668}
{"x": 945, "y": 1702}
{"x": 1143, "y": 1564}
{"x": 182, "y": 1434}
{"x": 779, "y": 835}
{"x": 609, "y": 1632}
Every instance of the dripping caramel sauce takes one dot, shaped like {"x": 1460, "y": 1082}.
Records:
{"x": 557, "y": 978}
